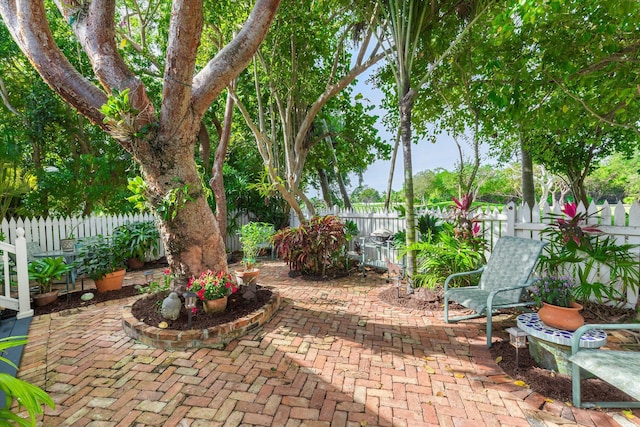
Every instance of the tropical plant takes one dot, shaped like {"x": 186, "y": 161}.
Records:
{"x": 25, "y": 394}
{"x": 554, "y": 290}
{"x": 155, "y": 287}
{"x": 212, "y": 285}
{"x": 99, "y": 256}
{"x": 252, "y": 235}
{"x": 445, "y": 256}
{"x": 45, "y": 270}
{"x": 139, "y": 239}
{"x": 313, "y": 247}
{"x": 579, "y": 250}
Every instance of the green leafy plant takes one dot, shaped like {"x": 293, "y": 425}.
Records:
{"x": 99, "y": 256}
{"x": 155, "y": 286}
{"x": 252, "y": 235}
{"x": 173, "y": 201}
{"x": 25, "y": 394}
{"x": 45, "y": 270}
{"x": 314, "y": 246}
{"x": 139, "y": 239}
{"x": 211, "y": 285}
{"x": 448, "y": 255}
{"x": 554, "y": 290}
{"x": 578, "y": 250}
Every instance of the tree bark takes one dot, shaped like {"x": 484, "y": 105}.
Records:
{"x": 164, "y": 147}
{"x": 406, "y": 107}
{"x": 392, "y": 169}
{"x": 528, "y": 189}
{"x": 324, "y": 187}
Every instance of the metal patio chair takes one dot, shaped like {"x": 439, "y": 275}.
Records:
{"x": 502, "y": 284}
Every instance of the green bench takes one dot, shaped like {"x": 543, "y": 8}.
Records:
{"x": 621, "y": 369}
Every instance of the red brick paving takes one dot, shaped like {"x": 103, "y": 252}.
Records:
{"x": 334, "y": 355}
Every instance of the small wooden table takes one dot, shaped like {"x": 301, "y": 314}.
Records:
{"x": 551, "y": 347}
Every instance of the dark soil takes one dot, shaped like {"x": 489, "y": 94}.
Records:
{"x": 147, "y": 309}
{"x": 549, "y": 384}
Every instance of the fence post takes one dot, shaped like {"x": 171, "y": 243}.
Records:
{"x": 23, "y": 275}
{"x": 511, "y": 219}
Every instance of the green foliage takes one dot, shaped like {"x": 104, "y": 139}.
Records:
{"x": 45, "y": 270}
{"x": 26, "y": 395}
{"x": 445, "y": 256}
{"x": 578, "y": 250}
{"x": 252, "y": 235}
{"x": 99, "y": 256}
{"x": 350, "y": 230}
{"x": 173, "y": 201}
{"x": 139, "y": 239}
{"x": 313, "y": 247}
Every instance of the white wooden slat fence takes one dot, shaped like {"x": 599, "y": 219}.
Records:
{"x": 15, "y": 296}
{"x": 620, "y": 221}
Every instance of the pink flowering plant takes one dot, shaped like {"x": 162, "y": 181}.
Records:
{"x": 211, "y": 285}
{"x": 554, "y": 290}
{"x": 579, "y": 249}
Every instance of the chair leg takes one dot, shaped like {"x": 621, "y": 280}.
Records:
{"x": 489, "y": 328}
{"x": 446, "y": 309}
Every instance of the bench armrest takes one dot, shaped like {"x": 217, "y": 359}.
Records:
{"x": 575, "y": 340}
{"x": 464, "y": 273}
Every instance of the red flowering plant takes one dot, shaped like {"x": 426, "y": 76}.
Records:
{"x": 578, "y": 250}
{"x": 211, "y": 285}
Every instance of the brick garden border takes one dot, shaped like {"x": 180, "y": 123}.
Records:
{"x": 215, "y": 337}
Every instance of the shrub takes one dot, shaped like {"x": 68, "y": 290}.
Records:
{"x": 314, "y": 246}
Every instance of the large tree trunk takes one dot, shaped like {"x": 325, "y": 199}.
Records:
{"x": 528, "y": 190}
{"x": 406, "y": 107}
{"x": 163, "y": 142}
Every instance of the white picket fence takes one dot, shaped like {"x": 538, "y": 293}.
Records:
{"x": 15, "y": 296}
{"x": 47, "y": 232}
{"x": 620, "y": 221}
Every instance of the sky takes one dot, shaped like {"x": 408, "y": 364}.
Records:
{"x": 425, "y": 154}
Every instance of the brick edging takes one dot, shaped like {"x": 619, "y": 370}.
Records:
{"x": 214, "y": 337}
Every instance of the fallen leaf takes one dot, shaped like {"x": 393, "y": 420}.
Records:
{"x": 448, "y": 368}
{"x": 521, "y": 383}
{"x": 568, "y": 403}
{"x": 440, "y": 394}
{"x": 163, "y": 325}
{"x": 628, "y": 414}
{"x": 549, "y": 400}
{"x": 498, "y": 359}
{"x": 458, "y": 375}
{"x": 429, "y": 369}
{"x": 429, "y": 358}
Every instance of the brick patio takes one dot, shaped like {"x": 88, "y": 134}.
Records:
{"x": 334, "y": 355}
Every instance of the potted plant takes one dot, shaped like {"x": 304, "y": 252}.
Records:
{"x": 139, "y": 239}
{"x": 212, "y": 288}
{"x": 253, "y": 236}
{"x": 68, "y": 244}
{"x": 103, "y": 259}
{"x": 555, "y": 297}
{"x": 44, "y": 271}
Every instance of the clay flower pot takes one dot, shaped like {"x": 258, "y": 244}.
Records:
{"x": 566, "y": 318}
{"x": 215, "y": 306}
{"x": 46, "y": 298}
{"x": 111, "y": 282}
{"x": 244, "y": 277}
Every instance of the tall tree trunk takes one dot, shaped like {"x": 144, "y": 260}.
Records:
{"x": 324, "y": 187}
{"x": 406, "y": 107}
{"x": 528, "y": 189}
{"x": 336, "y": 169}
{"x": 217, "y": 180}
{"x": 392, "y": 170}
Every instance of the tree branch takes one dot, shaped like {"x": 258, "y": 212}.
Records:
{"x": 234, "y": 57}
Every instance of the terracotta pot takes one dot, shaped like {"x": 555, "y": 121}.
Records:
{"x": 567, "y": 318}
{"x": 244, "y": 277}
{"x": 46, "y": 298}
{"x": 215, "y": 306}
{"x": 111, "y": 282}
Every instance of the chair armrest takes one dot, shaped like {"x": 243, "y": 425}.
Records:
{"x": 464, "y": 273}
{"x": 575, "y": 339}
{"x": 513, "y": 288}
